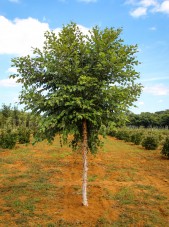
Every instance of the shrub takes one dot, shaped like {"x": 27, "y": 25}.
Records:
{"x": 165, "y": 149}
{"x": 150, "y": 142}
{"x": 123, "y": 135}
{"x": 111, "y": 130}
{"x": 8, "y": 139}
{"x": 127, "y": 137}
{"x": 23, "y": 135}
{"x": 136, "y": 138}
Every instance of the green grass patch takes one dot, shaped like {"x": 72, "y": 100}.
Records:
{"x": 125, "y": 196}
{"x": 92, "y": 178}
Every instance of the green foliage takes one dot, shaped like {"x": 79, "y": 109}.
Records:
{"x": 150, "y": 120}
{"x": 150, "y": 142}
{"x": 23, "y": 135}
{"x": 165, "y": 149}
{"x": 123, "y": 134}
{"x": 148, "y": 138}
{"x": 112, "y": 132}
{"x": 78, "y": 78}
{"x": 12, "y": 118}
{"x": 8, "y": 139}
{"x": 136, "y": 137}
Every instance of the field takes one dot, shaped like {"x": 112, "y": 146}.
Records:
{"x": 41, "y": 186}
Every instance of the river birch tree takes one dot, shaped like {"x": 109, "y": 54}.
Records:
{"x": 79, "y": 83}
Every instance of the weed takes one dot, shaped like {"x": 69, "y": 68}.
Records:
{"x": 126, "y": 174}
{"x": 24, "y": 206}
{"x": 159, "y": 197}
{"x": 146, "y": 187}
{"x": 125, "y": 196}
{"x": 92, "y": 178}
{"x": 51, "y": 225}
{"x": 102, "y": 221}
{"x": 108, "y": 194}
{"x": 41, "y": 186}
{"x": 111, "y": 168}
{"x": 21, "y": 221}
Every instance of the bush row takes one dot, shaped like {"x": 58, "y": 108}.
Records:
{"x": 9, "y": 137}
{"x": 149, "y": 139}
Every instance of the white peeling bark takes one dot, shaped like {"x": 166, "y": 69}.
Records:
{"x": 85, "y": 165}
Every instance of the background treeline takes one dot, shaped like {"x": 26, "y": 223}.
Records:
{"x": 12, "y": 117}
{"x": 149, "y": 120}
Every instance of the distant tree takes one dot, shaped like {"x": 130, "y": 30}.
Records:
{"x": 144, "y": 119}
{"x": 12, "y": 118}
{"x": 133, "y": 120}
{"x": 6, "y": 110}
{"x": 78, "y": 83}
{"x": 164, "y": 120}
{"x": 15, "y": 116}
{"x": 5, "y": 116}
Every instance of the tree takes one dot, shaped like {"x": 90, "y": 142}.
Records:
{"x": 164, "y": 120}
{"x": 78, "y": 83}
{"x": 6, "y": 116}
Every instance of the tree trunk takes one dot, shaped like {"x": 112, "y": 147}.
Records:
{"x": 85, "y": 167}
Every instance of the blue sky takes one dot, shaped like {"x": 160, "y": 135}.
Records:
{"x": 144, "y": 22}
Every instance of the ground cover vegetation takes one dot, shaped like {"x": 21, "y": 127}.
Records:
{"x": 149, "y": 138}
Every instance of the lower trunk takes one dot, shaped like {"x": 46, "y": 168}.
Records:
{"x": 85, "y": 167}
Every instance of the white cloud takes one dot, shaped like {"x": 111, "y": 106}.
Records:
{"x": 153, "y": 28}
{"x": 145, "y": 6}
{"x": 164, "y": 7}
{"x": 143, "y": 3}
{"x": 12, "y": 70}
{"x": 148, "y": 3}
{"x": 8, "y": 83}
{"x": 141, "y": 103}
{"x": 20, "y": 35}
{"x": 140, "y": 11}
{"x": 158, "y": 89}
{"x": 83, "y": 29}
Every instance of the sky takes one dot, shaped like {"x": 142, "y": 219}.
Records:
{"x": 144, "y": 22}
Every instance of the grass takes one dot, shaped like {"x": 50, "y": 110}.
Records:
{"x": 41, "y": 186}
{"x": 125, "y": 196}
{"x": 92, "y": 178}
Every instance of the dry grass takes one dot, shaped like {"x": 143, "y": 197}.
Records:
{"x": 41, "y": 186}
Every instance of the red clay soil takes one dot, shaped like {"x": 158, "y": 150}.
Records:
{"x": 127, "y": 186}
